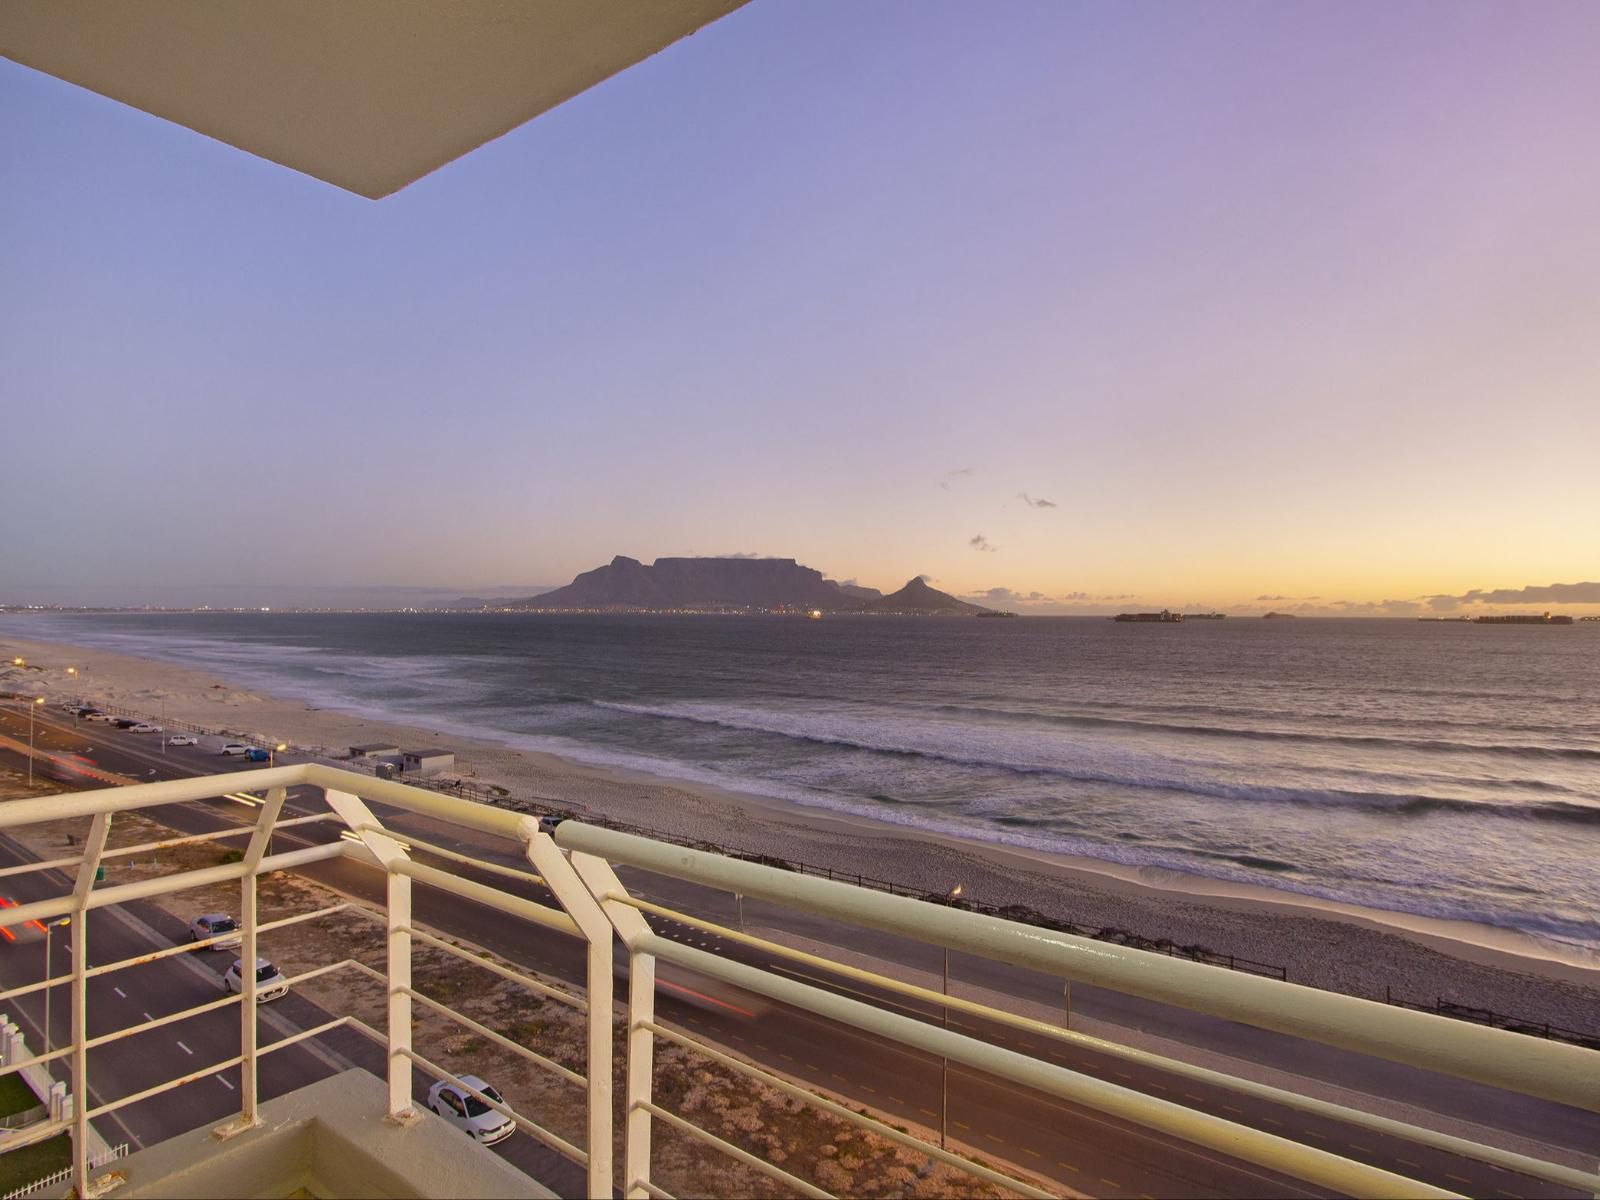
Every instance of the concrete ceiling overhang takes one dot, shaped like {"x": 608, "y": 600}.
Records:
{"x": 366, "y": 94}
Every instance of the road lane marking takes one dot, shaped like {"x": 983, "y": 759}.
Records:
{"x": 1238, "y": 1112}
{"x": 220, "y": 1079}
{"x": 1035, "y": 1153}
{"x": 148, "y": 1017}
{"x": 1458, "y": 1178}
{"x": 1068, "y": 1166}
{"x": 1270, "y": 1121}
{"x": 1192, "y": 1096}
{"x": 992, "y": 1138}
{"x": 1406, "y": 1162}
{"x": 1109, "y": 1182}
{"x": 962, "y": 1125}
{"x": 185, "y": 1049}
{"x": 120, "y": 992}
{"x": 1363, "y": 1149}
{"x": 927, "y": 1112}
{"x": 840, "y": 1078}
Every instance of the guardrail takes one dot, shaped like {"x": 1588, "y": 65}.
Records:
{"x": 575, "y": 869}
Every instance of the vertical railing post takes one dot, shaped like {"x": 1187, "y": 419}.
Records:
{"x": 630, "y": 924}
{"x": 574, "y": 896}
{"x": 249, "y": 1078}
{"x": 93, "y": 847}
{"x": 389, "y": 853}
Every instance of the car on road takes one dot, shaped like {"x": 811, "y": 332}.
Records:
{"x": 470, "y": 1114}
{"x": 548, "y": 824}
{"x": 270, "y": 983}
{"x": 215, "y": 925}
{"x": 125, "y": 722}
{"x": 72, "y": 706}
{"x": 256, "y": 755}
{"x": 94, "y": 714}
{"x": 183, "y": 739}
{"x": 235, "y": 748}
{"x": 144, "y": 727}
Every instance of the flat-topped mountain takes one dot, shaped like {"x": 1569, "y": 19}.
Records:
{"x": 701, "y": 583}
{"x": 917, "y": 597}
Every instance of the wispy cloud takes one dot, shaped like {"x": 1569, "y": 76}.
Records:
{"x": 980, "y": 543}
{"x": 1546, "y": 593}
{"x": 1037, "y": 502}
{"x": 957, "y": 476}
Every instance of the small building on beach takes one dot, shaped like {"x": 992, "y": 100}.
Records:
{"x": 375, "y": 750}
{"x": 426, "y": 762}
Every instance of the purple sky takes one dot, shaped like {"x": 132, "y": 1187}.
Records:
{"x": 1268, "y": 302}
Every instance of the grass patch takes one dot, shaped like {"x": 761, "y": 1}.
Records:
{"x": 19, "y": 1168}
{"x": 15, "y": 1095}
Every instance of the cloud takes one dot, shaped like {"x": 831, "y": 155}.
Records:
{"x": 1548, "y": 593}
{"x": 739, "y": 554}
{"x": 1272, "y": 599}
{"x": 981, "y": 544}
{"x": 1005, "y": 595}
{"x": 957, "y": 475}
{"x": 928, "y": 579}
{"x": 1041, "y": 502}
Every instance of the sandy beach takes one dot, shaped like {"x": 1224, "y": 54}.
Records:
{"x": 1339, "y": 947}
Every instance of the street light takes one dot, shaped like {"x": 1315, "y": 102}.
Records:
{"x": 944, "y": 1063}
{"x": 38, "y": 700}
{"x": 274, "y": 751}
{"x": 73, "y": 671}
{"x": 47, "y": 929}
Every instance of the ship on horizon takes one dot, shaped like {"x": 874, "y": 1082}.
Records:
{"x": 1525, "y": 619}
{"x": 1164, "y": 617}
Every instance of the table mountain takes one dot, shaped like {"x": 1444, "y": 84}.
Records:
{"x": 700, "y": 583}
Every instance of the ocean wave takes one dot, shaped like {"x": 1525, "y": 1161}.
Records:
{"x": 815, "y": 730}
{"x": 1427, "y": 745}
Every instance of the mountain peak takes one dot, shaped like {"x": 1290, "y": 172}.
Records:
{"x": 918, "y": 597}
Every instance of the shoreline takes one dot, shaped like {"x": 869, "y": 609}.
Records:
{"x": 1342, "y": 947}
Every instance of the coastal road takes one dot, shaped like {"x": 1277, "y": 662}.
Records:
{"x": 1081, "y": 1148}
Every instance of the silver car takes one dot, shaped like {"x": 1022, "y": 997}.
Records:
{"x": 470, "y": 1114}
{"x": 215, "y": 925}
{"x": 270, "y": 983}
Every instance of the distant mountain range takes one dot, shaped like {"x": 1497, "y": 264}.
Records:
{"x": 626, "y": 584}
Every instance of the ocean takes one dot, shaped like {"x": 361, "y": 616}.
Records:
{"x": 1445, "y": 770}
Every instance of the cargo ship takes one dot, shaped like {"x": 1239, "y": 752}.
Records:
{"x": 1544, "y": 619}
{"x": 1161, "y": 618}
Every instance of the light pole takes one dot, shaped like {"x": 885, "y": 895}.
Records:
{"x": 944, "y": 1063}
{"x": 50, "y": 925}
{"x": 37, "y": 700}
{"x": 73, "y": 671}
{"x": 273, "y": 752}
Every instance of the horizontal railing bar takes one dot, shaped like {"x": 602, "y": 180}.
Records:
{"x": 539, "y": 914}
{"x": 554, "y": 1140}
{"x": 1420, "y": 1135}
{"x": 482, "y": 817}
{"x": 117, "y": 1035}
{"x": 124, "y": 1101}
{"x": 880, "y": 1128}
{"x": 28, "y": 989}
{"x": 1240, "y": 1141}
{"x": 650, "y": 1189}
{"x": 544, "y": 989}
{"x": 37, "y": 1060}
{"x": 53, "y": 864}
{"x": 216, "y": 836}
{"x": 498, "y": 1038}
{"x": 68, "y": 805}
{"x": 303, "y": 1035}
{"x": 1549, "y": 1070}
{"x": 41, "y": 910}
{"x": 804, "y": 1187}
{"x": 453, "y": 855}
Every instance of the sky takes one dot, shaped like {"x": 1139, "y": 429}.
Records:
{"x": 1071, "y": 306}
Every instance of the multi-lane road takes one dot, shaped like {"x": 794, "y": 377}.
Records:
{"x": 1080, "y": 1148}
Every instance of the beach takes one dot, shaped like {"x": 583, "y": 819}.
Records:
{"x": 1335, "y": 946}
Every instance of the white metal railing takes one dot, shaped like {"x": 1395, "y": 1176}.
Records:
{"x": 591, "y": 904}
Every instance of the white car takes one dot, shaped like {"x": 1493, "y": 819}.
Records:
{"x": 183, "y": 739}
{"x": 102, "y": 718}
{"x": 144, "y": 727}
{"x": 470, "y": 1114}
{"x": 270, "y": 983}
{"x": 215, "y": 925}
{"x": 235, "y": 748}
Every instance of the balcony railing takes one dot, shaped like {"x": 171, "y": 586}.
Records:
{"x": 575, "y": 867}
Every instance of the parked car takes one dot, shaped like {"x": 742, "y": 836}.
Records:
{"x": 470, "y": 1114}
{"x": 257, "y": 755}
{"x": 72, "y": 706}
{"x": 270, "y": 983}
{"x": 183, "y": 739}
{"x": 144, "y": 727}
{"x": 235, "y": 748}
{"x": 209, "y": 925}
{"x": 94, "y": 714}
{"x": 548, "y": 824}
{"x": 125, "y": 722}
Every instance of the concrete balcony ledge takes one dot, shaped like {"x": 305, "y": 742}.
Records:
{"x": 330, "y": 1139}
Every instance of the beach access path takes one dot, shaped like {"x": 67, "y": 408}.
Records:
{"x": 1082, "y": 1149}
